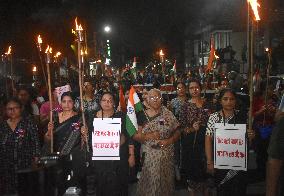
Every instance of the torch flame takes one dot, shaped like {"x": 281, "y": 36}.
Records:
{"x": 254, "y": 6}
{"x": 216, "y": 56}
{"x": 34, "y": 69}
{"x": 48, "y": 49}
{"x": 9, "y": 50}
{"x": 78, "y": 27}
{"x": 161, "y": 53}
{"x": 39, "y": 39}
{"x": 57, "y": 54}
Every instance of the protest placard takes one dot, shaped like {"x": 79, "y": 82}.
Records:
{"x": 106, "y": 138}
{"x": 60, "y": 90}
{"x": 230, "y": 146}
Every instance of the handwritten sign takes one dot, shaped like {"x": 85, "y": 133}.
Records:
{"x": 60, "y": 90}
{"x": 106, "y": 138}
{"x": 230, "y": 146}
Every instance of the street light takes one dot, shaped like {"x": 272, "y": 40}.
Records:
{"x": 107, "y": 29}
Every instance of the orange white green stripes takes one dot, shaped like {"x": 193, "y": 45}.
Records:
{"x": 133, "y": 106}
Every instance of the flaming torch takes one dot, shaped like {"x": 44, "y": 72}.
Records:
{"x": 9, "y": 51}
{"x": 48, "y": 53}
{"x": 39, "y": 41}
{"x": 254, "y": 6}
{"x": 9, "y": 58}
{"x": 162, "y": 60}
{"x": 80, "y": 39}
{"x": 39, "y": 44}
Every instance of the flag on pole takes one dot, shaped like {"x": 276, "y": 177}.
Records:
{"x": 134, "y": 106}
{"x": 133, "y": 68}
{"x": 122, "y": 99}
{"x": 175, "y": 67}
{"x": 211, "y": 56}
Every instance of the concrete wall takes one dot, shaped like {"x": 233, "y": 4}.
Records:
{"x": 238, "y": 42}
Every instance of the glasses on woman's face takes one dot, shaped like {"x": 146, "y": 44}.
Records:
{"x": 107, "y": 101}
{"x": 155, "y": 98}
{"x": 194, "y": 88}
{"x": 180, "y": 88}
{"x": 12, "y": 109}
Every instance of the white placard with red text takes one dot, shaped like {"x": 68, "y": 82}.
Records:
{"x": 60, "y": 90}
{"x": 230, "y": 146}
{"x": 106, "y": 138}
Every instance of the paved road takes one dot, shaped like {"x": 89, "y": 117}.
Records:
{"x": 255, "y": 189}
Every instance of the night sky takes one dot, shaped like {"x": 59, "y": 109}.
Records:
{"x": 139, "y": 27}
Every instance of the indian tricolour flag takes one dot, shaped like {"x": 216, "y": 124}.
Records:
{"x": 133, "y": 107}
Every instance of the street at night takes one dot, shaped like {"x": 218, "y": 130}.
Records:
{"x": 142, "y": 98}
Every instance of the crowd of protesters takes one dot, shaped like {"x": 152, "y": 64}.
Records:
{"x": 174, "y": 141}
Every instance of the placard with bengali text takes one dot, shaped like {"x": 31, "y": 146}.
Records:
{"x": 106, "y": 138}
{"x": 230, "y": 146}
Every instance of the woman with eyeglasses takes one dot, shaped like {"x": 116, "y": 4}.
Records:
{"x": 19, "y": 146}
{"x": 112, "y": 176}
{"x": 229, "y": 182}
{"x": 193, "y": 118}
{"x": 157, "y": 137}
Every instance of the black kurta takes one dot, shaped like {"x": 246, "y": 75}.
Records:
{"x": 112, "y": 176}
{"x": 17, "y": 149}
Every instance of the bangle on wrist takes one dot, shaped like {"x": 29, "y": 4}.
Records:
{"x": 209, "y": 163}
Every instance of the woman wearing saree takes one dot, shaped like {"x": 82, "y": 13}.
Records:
{"x": 230, "y": 182}
{"x": 68, "y": 135}
{"x": 157, "y": 136}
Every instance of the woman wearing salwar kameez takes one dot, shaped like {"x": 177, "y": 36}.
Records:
{"x": 157, "y": 136}
{"x": 19, "y": 147}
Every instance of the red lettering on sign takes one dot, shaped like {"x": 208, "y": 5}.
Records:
{"x": 236, "y": 154}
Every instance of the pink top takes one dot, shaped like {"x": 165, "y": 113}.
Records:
{"x": 44, "y": 109}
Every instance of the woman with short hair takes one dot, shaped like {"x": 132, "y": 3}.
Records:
{"x": 157, "y": 136}
{"x": 112, "y": 176}
{"x": 19, "y": 146}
